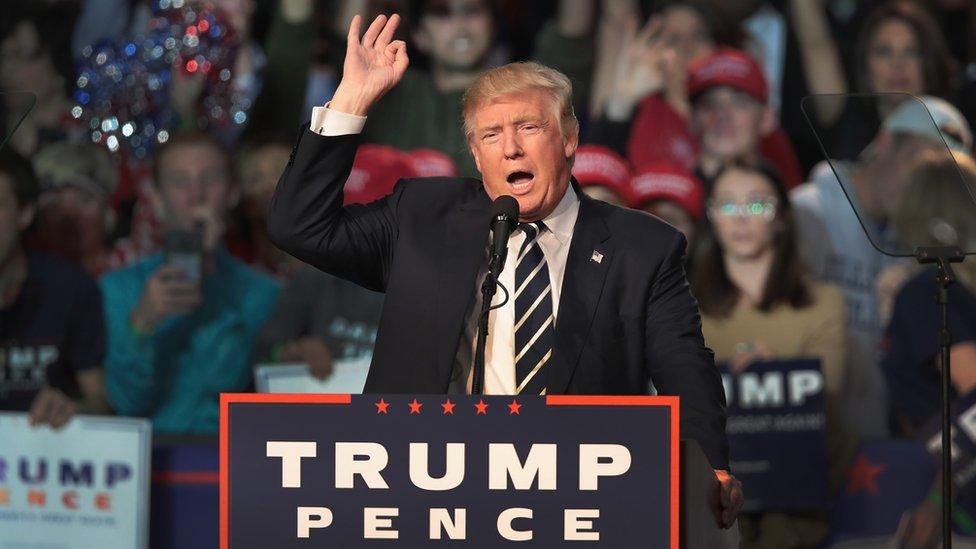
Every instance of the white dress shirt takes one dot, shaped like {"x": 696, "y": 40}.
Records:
{"x": 500, "y": 346}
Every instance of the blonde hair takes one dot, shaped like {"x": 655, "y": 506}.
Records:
{"x": 938, "y": 207}
{"x": 517, "y": 78}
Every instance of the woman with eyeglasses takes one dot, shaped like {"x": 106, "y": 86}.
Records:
{"x": 757, "y": 303}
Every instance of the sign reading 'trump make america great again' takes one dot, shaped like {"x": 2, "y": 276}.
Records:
{"x": 477, "y": 472}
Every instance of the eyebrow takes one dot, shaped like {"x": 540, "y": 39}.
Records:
{"x": 518, "y": 121}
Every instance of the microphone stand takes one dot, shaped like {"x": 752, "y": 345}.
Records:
{"x": 487, "y": 293}
{"x": 944, "y": 257}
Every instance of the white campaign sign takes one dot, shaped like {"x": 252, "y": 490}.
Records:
{"x": 348, "y": 377}
{"x": 85, "y": 486}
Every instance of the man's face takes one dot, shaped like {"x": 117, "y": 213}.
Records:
{"x": 730, "y": 122}
{"x": 520, "y": 151}
{"x": 194, "y": 185}
{"x": 458, "y": 35}
{"x": 25, "y": 65}
{"x": 13, "y": 218}
{"x": 73, "y": 219}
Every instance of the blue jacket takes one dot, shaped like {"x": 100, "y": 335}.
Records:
{"x": 175, "y": 375}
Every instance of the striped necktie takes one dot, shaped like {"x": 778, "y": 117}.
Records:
{"x": 534, "y": 321}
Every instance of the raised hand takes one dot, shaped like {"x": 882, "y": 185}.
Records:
{"x": 372, "y": 67}
{"x": 643, "y": 67}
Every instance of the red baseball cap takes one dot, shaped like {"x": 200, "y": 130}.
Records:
{"x": 375, "y": 171}
{"x": 728, "y": 67}
{"x": 431, "y": 163}
{"x": 666, "y": 181}
{"x": 597, "y": 165}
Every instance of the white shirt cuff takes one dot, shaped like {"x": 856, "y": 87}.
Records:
{"x": 328, "y": 122}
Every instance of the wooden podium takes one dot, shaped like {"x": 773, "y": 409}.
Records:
{"x": 461, "y": 471}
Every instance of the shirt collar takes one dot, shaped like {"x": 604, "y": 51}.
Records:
{"x": 562, "y": 219}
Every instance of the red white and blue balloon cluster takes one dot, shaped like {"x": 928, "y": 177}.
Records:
{"x": 123, "y": 85}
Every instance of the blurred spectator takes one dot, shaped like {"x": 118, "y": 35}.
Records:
{"x": 424, "y": 109}
{"x": 721, "y": 112}
{"x": 52, "y": 338}
{"x": 730, "y": 114}
{"x": 937, "y": 210}
{"x": 182, "y": 324}
{"x": 603, "y": 174}
{"x": 899, "y": 50}
{"x": 758, "y": 304}
{"x": 259, "y": 163}
{"x": 75, "y": 219}
{"x": 321, "y": 318}
{"x": 836, "y": 248}
{"x": 34, "y": 58}
{"x": 641, "y": 75}
{"x": 673, "y": 194}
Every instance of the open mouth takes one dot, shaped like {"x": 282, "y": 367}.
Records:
{"x": 520, "y": 177}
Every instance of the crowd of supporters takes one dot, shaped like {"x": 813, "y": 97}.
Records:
{"x": 689, "y": 109}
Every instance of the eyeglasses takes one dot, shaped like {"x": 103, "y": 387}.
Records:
{"x": 763, "y": 208}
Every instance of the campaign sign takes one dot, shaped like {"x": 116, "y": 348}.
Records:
{"x": 85, "y": 486}
{"x": 424, "y": 470}
{"x": 777, "y": 434}
{"x": 963, "y": 436}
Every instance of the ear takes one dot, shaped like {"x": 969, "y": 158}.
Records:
{"x": 768, "y": 122}
{"x": 571, "y": 141}
{"x": 26, "y": 217}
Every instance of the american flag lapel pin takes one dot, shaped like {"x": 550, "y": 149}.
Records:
{"x": 597, "y": 257}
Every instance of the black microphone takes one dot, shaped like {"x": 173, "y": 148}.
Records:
{"x": 504, "y": 219}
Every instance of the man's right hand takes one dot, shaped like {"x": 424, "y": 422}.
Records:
{"x": 372, "y": 67}
{"x": 168, "y": 292}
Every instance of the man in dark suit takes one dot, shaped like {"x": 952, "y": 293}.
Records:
{"x": 612, "y": 277}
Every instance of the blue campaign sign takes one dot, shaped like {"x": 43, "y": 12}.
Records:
{"x": 413, "y": 471}
{"x": 777, "y": 434}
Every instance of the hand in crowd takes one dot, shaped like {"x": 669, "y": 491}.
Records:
{"x": 312, "y": 351}
{"x": 213, "y": 226}
{"x": 727, "y": 498}
{"x": 747, "y": 353}
{"x": 372, "y": 66}
{"x": 924, "y": 526}
{"x": 51, "y": 407}
{"x": 643, "y": 67}
{"x": 168, "y": 292}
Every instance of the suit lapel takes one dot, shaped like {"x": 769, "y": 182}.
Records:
{"x": 463, "y": 256}
{"x": 590, "y": 254}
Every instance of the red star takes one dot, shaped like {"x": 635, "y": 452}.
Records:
{"x": 448, "y": 407}
{"x": 863, "y": 475}
{"x": 414, "y": 407}
{"x": 481, "y": 407}
{"x": 514, "y": 408}
{"x": 381, "y": 406}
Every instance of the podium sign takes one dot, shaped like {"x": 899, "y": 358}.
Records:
{"x": 414, "y": 471}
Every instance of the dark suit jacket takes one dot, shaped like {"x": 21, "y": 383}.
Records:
{"x": 622, "y": 321}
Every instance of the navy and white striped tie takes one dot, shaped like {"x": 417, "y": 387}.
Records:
{"x": 534, "y": 321}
